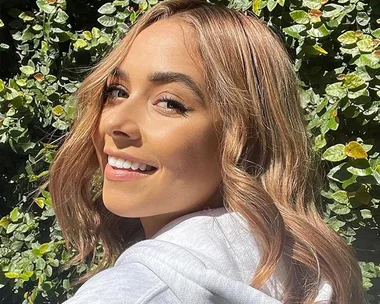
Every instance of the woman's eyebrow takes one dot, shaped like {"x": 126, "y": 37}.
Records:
{"x": 166, "y": 77}
{"x": 169, "y": 77}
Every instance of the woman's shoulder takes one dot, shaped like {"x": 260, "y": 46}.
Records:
{"x": 204, "y": 257}
{"x": 131, "y": 283}
{"x": 215, "y": 238}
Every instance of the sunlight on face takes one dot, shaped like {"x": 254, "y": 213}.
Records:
{"x": 156, "y": 114}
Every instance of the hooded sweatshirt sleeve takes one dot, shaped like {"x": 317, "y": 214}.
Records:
{"x": 127, "y": 283}
{"x": 154, "y": 271}
{"x": 207, "y": 257}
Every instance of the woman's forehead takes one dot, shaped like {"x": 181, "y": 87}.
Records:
{"x": 167, "y": 44}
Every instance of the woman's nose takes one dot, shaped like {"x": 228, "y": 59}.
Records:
{"x": 121, "y": 122}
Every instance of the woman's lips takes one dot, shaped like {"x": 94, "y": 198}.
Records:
{"x": 116, "y": 174}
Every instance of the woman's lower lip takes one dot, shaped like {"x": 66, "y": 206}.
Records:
{"x": 116, "y": 174}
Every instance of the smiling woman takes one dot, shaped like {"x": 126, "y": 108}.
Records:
{"x": 208, "y": 191}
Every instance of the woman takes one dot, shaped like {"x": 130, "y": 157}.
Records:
{"x": 208, "y": 186}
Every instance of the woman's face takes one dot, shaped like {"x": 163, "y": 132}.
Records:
{"x": 156, "y": 115}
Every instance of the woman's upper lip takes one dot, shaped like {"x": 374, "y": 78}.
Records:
{"x": 127, "y": 157}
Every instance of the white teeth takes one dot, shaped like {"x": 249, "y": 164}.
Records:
{"x": 112, "y": 161}
{"x": 135, "y": 166}
{"x": 119, "y": 163}
{"x": 125, "y": 164}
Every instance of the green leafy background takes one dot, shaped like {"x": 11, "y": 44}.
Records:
{"x": 46, "y": 47}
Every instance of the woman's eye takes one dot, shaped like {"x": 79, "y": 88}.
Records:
{"x": 117, "y": 93}
{"x": 113, "y": 92}
{"x": 170, "y": 105}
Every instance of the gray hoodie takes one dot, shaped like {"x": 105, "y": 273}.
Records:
{"x": 203, "y": 257}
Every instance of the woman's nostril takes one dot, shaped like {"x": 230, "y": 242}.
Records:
{"x": 119, "y": 133}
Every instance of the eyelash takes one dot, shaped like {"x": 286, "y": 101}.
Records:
{"x": 180, "y": 108}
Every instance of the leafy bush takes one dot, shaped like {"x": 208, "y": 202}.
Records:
{"x": 46, "y": 47}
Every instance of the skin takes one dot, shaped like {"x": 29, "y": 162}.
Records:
{"x": 184, "y": 148}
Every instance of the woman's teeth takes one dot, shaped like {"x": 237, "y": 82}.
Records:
{"x": 125, "y": 164}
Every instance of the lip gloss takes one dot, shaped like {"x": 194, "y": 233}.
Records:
{"x": 116, "y": 174}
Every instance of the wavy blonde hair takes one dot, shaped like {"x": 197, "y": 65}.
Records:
{"x": 267, "y": 164}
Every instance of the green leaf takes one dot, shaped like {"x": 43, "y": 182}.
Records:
{"x": 11, "y": 94}
{"x": 1, "y": 23}
{"x": 11, "y": 227}
{"x": 54, "y": 263}
{"x": 45, "y": 7}
{"x": 26, "y": 16}
{"x": 27, "y": 70}
{"x": 348, "y": 38}
{"x": 235, "y": 4}
{"x": 107, "y": 21}
{"x": 95, "y": 32}
{"x": 365, "y": 45}
{"x": 107, "y": 9}
{"x": 336, "y": 90}
{"x": 26, "y": 275}
{"x": 353, "y": 81}
{"x": 332, "y": 10}
{"x": 48, "y": 271}
{"x": 27, "y": 35}
{"x": 370, "y": 60}
{"x": 80, "y": 44}
{"x": 320, "y": 142}
{"x": 295, "y": 30}
{"x": 340, "y": 209}
{"x": 37, "y": 28}
{"x": 58, "y": 110}
{"x": 334, "y": 153}
{"x": 335, "y": 224}
{"x": 312, "y": 3}
{"x": 87, "y": 35}
{"x": 40, "y": 201}
{"x": 366, "y": 213}
{"x": 12, "y": 275}
{"x": 271, "y": 5}
{"x": 300, "y": 17}
{"x": 121, "y": 3}
{"x": 40, "y": 263}
{"x": 66, "y": 284}
{"x": 60, "y": 124}
{"x": 14, "y": 214}
{"x": 45, "y": 248}
{"x": 376, "y": 33}
{"x": 4, "y": 222}
{"x": 360, "y": 171}
{"x": 362, "y": 18}
{"x": 70, "y": 87}
{"x": 320, "y": 49}
{"x": 256, "y": 6}
{"x": 21, "y": 82}
{"x": 333, "y": 123}
{"x": 4, "y": 46}
{"x": 340, "y": 196}
{"x": 319, "y": 32}
{"x": 61, "y": 17}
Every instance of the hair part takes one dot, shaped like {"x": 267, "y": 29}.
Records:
{"x": 269, "y": 171}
